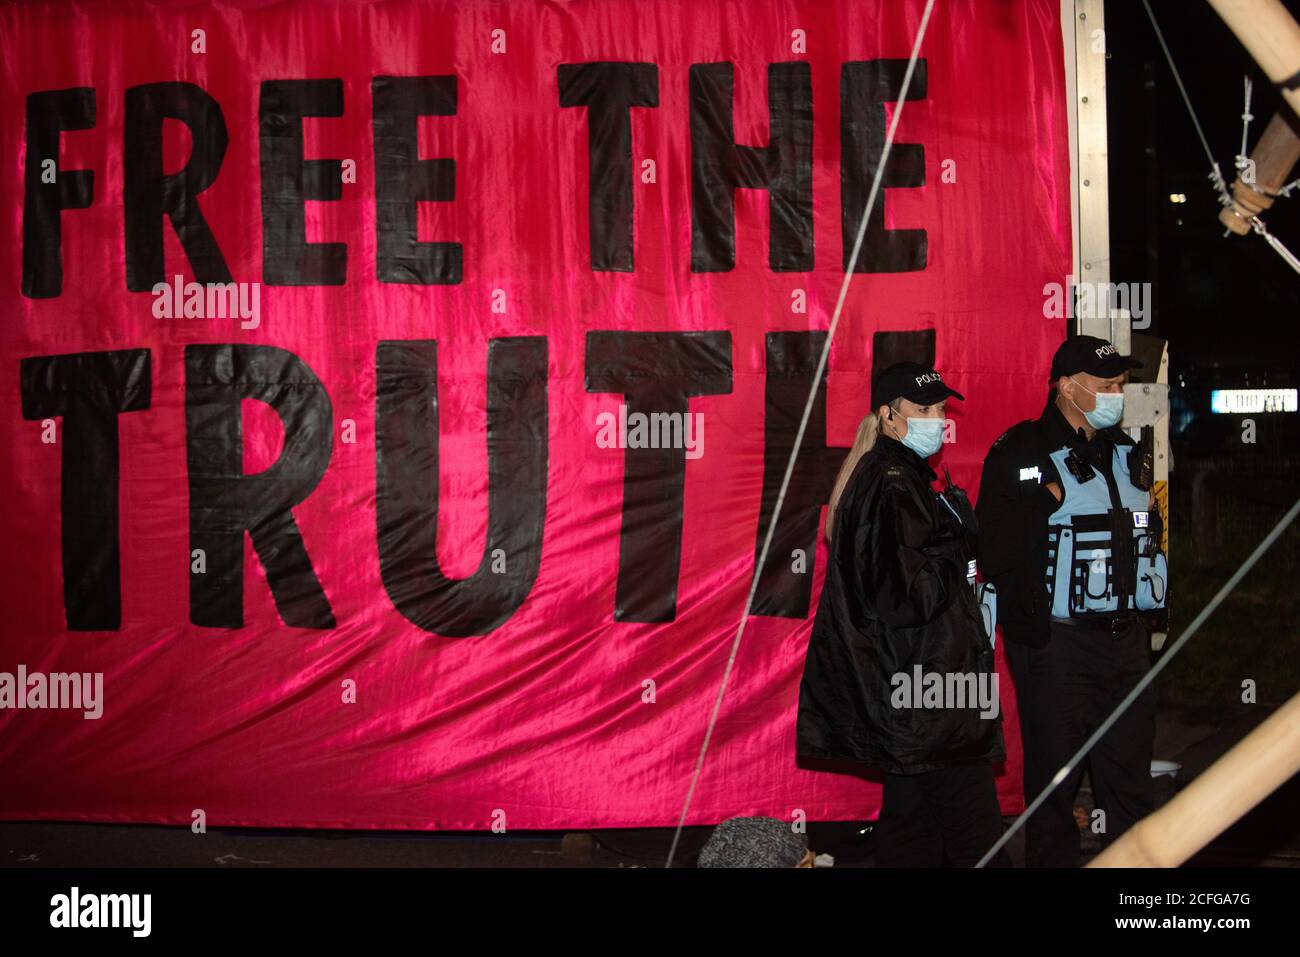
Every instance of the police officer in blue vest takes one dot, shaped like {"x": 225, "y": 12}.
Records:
{"x": 1072, "y": 542}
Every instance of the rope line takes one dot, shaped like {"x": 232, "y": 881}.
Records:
{"x": 1216, "y": 175}
{"x": 1288, "y": 257}
{"x": 1246, "y": 116}
{"x": 803, "y": 422}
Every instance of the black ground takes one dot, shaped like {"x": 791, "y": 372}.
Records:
{"x": 1268, "y": 837}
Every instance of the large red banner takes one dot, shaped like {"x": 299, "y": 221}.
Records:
{"x": 338, "y": 341}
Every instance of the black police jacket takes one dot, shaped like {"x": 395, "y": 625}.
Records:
{"x": 1014, "y": 506}
{"x": 895, "y": 597}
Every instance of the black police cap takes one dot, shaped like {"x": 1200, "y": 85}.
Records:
{"x": 912, "y": 381}
{"x": 1092, "y": 355}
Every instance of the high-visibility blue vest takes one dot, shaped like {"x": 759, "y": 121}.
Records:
{"x": 1103, "y": 559}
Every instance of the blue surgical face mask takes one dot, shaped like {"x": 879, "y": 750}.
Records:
{"x": 923, "y": 436}
{"x": 1109, "y": 410}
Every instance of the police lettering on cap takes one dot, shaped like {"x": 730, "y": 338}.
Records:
{"x": 1092, "y": 355}
{"x": 912, "y": 381}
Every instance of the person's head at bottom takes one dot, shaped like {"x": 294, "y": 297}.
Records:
{"x": 755, "y": 842}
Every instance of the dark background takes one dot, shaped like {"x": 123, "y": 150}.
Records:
{"x": 1228, "y": 306}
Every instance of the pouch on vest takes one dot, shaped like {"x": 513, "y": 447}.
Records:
{"x": 1153, "y": 579}
{"x": 1153, "y": 570}
{"x": 1103, "y": 556}
{"x": 1087, "y": 572}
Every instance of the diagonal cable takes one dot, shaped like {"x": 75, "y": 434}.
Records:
{"x": 1167, "y": 657}
{"x": 1216, "y": 175}
{"x": 803, "y": 422}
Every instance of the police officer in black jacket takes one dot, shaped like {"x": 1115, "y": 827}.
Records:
{"x": 897, "y": 612}
{"x": 1071, "y": 540}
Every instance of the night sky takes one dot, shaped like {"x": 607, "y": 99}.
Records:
{"x": 1229, "y": 306}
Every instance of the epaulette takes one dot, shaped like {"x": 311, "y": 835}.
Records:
{"x": 1019, "y": 426}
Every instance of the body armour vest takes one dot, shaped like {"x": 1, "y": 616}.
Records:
{"x": 1103, "y": 549}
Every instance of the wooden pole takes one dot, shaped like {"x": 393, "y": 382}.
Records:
{"x": 1270, "y": 35}
{"x": 1258, "y": 765}
{"x": 1274, "y": 155}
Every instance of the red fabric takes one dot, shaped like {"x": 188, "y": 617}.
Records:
{"x": 542, "y": 719}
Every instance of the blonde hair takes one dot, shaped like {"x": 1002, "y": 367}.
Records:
{"x": 868, "y": 430}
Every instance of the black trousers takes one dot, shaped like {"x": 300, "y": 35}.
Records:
{"x": 947, "y": 815}
{"x": 1065, "y": 690}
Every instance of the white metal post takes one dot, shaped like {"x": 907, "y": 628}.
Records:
{"x": 1083, "y": 34}
{"x": 1086, "y": 40}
